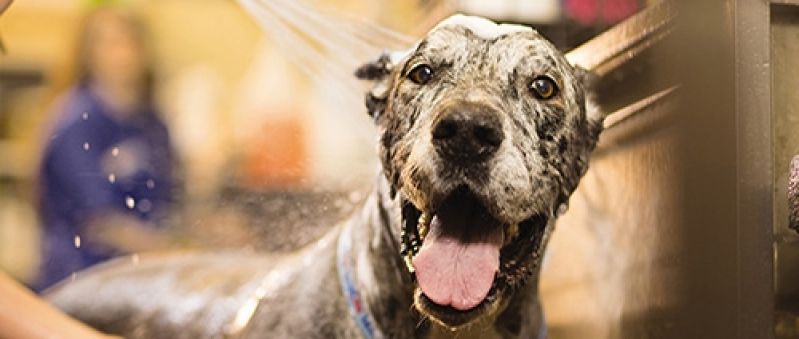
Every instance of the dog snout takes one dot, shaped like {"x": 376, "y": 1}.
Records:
{"x": 467, "y": 134}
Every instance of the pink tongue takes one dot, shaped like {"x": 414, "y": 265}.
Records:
{"x": 457, "y": 273}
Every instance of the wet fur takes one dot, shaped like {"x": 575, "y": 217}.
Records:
{"x": 537, "y": 167}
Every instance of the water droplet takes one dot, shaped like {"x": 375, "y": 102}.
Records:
{"x": 85, "y": 115}
{"x": 134, "y": 259}
{"x": 112, "y": 178}
{"x": 115, "y": 151}
{"x": 150, "y": 183}
{"x": 86, "y": 146}
{"x": 243, "y": 316}
{"x": 562, "y": 209}
{"x": 77, "y": 241}
{"x": 130, "y": 202}
{"x": 145, "y": 205}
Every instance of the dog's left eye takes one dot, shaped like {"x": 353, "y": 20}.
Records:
{"x": 421, "y": 74}
{"x": 543, "y": 87}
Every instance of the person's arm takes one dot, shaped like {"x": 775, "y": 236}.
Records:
{"x": 4, "y": 4}
{"x": 25, "y": 316}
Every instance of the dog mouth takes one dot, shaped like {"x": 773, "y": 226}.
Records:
{"x": 464, "y": 259}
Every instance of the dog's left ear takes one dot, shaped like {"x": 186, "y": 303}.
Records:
{"x": 589, "y": 81}
{"x": 378, "y": 71}
{"x": 586, "y": 77}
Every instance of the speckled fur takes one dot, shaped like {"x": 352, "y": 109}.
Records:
{"x": 548, "y": 142}
{"x": 538, "y": 165}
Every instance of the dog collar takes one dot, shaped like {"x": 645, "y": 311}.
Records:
{"x": 357, "y": 306}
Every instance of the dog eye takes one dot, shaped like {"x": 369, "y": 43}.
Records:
{"x": 421, "y": 74}
{"x": 543, "y": 87}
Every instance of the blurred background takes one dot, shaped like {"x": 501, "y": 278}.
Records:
{"x": 194, "y": 124}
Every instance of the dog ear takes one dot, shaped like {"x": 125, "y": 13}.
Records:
{"x": 379, "y": 72}
{"x": 375, "y": 70}
{"x": 589, "y": 82}
{"x": 586, "y": 77}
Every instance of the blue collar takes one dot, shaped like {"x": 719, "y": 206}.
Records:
{"x": 359, "y": 310}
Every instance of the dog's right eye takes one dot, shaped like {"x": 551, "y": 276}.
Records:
{"x": 544, "y": 87}
{"x": 421, "y": 74}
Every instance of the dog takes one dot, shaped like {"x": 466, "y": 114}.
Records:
{"x": 484, "y": 132}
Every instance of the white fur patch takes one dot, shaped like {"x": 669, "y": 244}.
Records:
{"x": 396, "y": 57}
{"x": 482, "y": 27}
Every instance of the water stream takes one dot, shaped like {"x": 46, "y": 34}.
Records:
{"x": 323, "y": 42}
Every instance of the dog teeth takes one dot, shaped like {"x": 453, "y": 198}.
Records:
{"x": 423, "y": 225}
{"x": 409, "y": 263}
{"x": 511, "y": 232}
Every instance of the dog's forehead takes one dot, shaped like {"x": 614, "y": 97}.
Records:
{"x": 482, "y": 27}
{"x": 456, "y": 34}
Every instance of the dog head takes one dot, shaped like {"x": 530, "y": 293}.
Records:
{"x": 484, "y": 134}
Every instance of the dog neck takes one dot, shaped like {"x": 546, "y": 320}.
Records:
{"x": 385, "y": 285}
{"x": 379, "y": 275}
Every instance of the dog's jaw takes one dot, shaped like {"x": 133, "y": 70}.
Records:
{"x": 388, "y": 286}
{"x": 519, "y": 260}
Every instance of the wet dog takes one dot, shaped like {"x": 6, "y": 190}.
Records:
{"x": 485, "y": 131}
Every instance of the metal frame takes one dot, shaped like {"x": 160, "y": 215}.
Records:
{"x": 623, "y": 42}
{"x": 755, "y": 160}
{"x": 730, "y": 287}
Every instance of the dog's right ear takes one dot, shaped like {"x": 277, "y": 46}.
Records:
{"x": 378, "y": 71}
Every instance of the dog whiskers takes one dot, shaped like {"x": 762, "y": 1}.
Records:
{"x": 422, "y": 319}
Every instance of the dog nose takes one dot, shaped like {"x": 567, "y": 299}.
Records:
{"x": 468, "y": 135}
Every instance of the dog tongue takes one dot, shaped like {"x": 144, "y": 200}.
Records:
{"x": 458, "y": 270}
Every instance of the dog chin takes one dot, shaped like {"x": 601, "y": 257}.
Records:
{"x": 453, "y": 319}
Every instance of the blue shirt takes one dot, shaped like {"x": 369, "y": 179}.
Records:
{"x": 94, "y": 163}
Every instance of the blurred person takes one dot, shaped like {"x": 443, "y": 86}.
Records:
{"x": 106, "y": 173}
{"x": 24, "y": 316}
